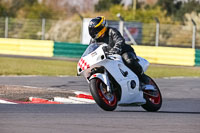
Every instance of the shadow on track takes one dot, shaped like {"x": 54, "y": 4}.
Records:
{"x": 179, "y": 112}
{"x": 166, "y": 112}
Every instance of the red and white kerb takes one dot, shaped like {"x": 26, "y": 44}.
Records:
{"x": 83, "y": 64}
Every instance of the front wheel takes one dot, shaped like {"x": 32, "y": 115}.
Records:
{"x": 153, "y": 99}
{"x": 106, "y": 100}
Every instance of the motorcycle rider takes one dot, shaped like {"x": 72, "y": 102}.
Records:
{"x": 100, "y": 32}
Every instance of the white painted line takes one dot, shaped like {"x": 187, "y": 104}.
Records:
{"x": 73, "y": 100}
{"x": 67, "y": 100}
{"x": 20, "y": 76}
{"x": 31, "y": 87}
{"x": 179, "y": 77}
{"x": 6, "y": 102}
{"x": 81, "y": 92}
{"x": 82, "y": 100}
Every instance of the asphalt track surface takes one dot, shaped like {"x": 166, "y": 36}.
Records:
{"x": 180, "y": 112}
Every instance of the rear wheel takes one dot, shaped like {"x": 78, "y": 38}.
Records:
{"x": 106, "y": 100}
{"x": 153, "y": 98}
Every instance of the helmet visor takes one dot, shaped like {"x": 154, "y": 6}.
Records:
{"x": 94, "y": 32}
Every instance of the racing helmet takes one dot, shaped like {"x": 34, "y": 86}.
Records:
{"x": 97, "y": 27}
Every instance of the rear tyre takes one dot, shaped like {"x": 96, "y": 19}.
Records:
{"x": 106, "y": 100}
{"x": 153, "y": 99}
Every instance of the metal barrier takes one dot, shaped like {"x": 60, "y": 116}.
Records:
{"x": 151, "y": 34}
{"x": 40, "y": 29}
{"x": 156, "y": 34}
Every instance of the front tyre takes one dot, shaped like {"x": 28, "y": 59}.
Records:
{"x": 153, "y": 99}
{"x": 106, "y": 100}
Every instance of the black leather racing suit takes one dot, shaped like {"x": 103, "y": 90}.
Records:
{"x": 117, "y": 45}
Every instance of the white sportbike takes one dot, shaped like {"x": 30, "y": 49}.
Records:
{"x": 113, "y": 84}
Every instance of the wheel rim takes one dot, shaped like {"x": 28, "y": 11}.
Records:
{"x": 109, "y": 98}
{"x": 156, "y": 99}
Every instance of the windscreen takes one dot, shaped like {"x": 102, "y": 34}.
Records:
{"x": 92, "y": 47}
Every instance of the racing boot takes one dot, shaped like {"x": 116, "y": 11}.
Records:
{"x": 145, "y": 83}
{"x": 138, "y": 70}
{"x": 144, "y": 79}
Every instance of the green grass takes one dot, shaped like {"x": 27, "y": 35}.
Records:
{"x": 159, "y": 71}
{"x": 24, "y": 66}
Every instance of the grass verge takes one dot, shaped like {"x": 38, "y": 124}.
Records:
{"x": 24, "y": 66}
{"x": 159, "y": 71}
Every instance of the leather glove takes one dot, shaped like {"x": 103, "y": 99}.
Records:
{"x": 105, "y": 48}
{"x": 115, "y": 50}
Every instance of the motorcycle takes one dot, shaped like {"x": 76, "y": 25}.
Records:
{"x": 113, "y": 84}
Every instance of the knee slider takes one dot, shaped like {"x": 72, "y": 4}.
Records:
{"x": 129, "y": 61}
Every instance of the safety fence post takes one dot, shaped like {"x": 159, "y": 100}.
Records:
{"x": 121, "y": 24}
{"x": 6, "y": 27}
{"x": 121, "y": 27}
{"x": 81, "y": 17}
{"x": 157, "y": 32}
{"x": 43, "y": 28}
{"x": 194, "y": 34}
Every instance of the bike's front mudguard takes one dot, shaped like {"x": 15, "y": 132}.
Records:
{"x": 102, "y": 76}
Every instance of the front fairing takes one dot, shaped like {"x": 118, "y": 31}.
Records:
{"x": 90, "y": 58}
